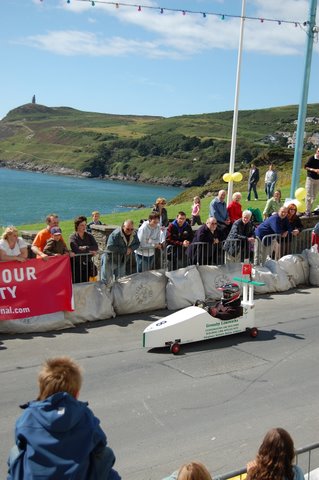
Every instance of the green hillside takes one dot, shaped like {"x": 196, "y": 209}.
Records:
{"x": 189, "y": 150}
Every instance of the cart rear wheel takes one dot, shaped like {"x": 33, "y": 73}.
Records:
{"x": 253, "y": 332}
{"x": 175, "y": 348}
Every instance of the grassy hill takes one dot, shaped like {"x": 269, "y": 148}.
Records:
{"x": 190, "y": 150}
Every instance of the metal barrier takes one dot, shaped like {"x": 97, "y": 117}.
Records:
{"x": 110, "y": 266}
{"x": 304, "y": 458}
{"x": 275, "y": 246}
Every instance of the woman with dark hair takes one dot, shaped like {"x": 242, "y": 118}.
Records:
{"x": 84, "y": 245}
{"x": 274, "y": 460}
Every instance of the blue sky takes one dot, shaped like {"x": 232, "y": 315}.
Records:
{"x": 124, "y": 61}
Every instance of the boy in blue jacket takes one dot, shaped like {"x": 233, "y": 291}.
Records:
{"x": 58, "y": 437}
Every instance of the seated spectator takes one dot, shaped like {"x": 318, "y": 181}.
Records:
{"x": 120, "y": 246}
{"x": 179, "y": 236}
{"x": 218, "y": 210}
{"x": 12, "y": 247}
{"x": 315, "y": 235}
{"x": 239, "y": 244}
{"x": 204, "y": 248}
{"x": 234, "y": 208}
{"x": 55, "y": 245}
{"x": 58, "y": 436}
{"x": 196, "y": 212}
{"x": 159, "y": 207}
{"x": 191, "y": 471}
{"x": 275, "y": 458}
{"x": 149, "y": 235}
{"x": 42, "y": 236}
{"x": 84, "y": 245}
{"x": 294, "y": 220}
{"x": 276, "y": 224}
{"x": 273, "y": 204}
{"x": 95, "y": 221}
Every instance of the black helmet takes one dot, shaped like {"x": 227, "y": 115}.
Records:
{"x": 231, "y": 292}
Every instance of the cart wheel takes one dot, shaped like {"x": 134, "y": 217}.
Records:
{"x": 253, "y": 332}
{"x": 175, "y": 348}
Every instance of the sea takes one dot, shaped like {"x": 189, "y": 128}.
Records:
{"x": 27, "y": 197}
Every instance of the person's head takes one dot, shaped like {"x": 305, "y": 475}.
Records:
{"x": 197, "y": 199}
{"x": 56, "y": 233}
{"x": 52, "y": 220}
{"x": 153, "y": 219}
{"x": 60, "y": 374}
{"x": 236, "y": 197}
{"x": 271, "y": 166}
{"x": 181, "y": 218}
{"x": 128, "y": 227}
{"x": 282, "y": 212}
{"x": 95, "y": 216}
{"x": 10, "y": 234}
{"x": 252, "y": 165}
{"x": 277, "y": 195}
{"x": 193, "y": 471}
{"x": 231, "y": 292}
{"x": 292, "y": 210}
{"x": 246, "y": 216}
{"x": 211, "y": 223}
{"x": 222, "y": 195}
{"x": 80, "y": 223}
{"x": 161, "y": 202}
{"x": 275, "y": 455}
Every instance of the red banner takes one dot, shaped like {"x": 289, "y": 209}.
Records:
{"x": 35, "y": 287}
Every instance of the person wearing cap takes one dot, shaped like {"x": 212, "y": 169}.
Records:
{"x": 38, "y": 244}
{"x": 55, "y": 245}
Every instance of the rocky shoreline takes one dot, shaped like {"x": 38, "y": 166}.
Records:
{"x": 43, "y": 168}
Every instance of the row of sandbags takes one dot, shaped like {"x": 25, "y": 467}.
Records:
{"x": 156, "y": 290}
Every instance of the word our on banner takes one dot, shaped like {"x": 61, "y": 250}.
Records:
{"x": 35, "y": 287}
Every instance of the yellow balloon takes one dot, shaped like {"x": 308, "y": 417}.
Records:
{"x": 227, "y": 177}
{"x": 300, "y": 193}
{"x": 301, "y": 207}
{"x": 237, "y": 176}
{"x": 298, "y": 204}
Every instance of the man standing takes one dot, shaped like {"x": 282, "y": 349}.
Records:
{"x": 253, "y": 179}
{"x": 122, "y": 242}
{"x": 149, "y": 235}
{"x": 43, "y": 236}
{"x": 312, "y": 181}
{"x": 270, "y": 181}
{"x": 218, "y": 210}
{"x": 179, "y": 236}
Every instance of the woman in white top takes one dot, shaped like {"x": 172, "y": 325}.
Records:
{"x": 12, "y": 247}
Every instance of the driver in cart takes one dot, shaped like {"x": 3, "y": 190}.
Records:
{"x": 228, "y": 307}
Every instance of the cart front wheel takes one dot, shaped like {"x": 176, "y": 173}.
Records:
{"x": 175, "y": 348}
{"x": 253, "y": 332}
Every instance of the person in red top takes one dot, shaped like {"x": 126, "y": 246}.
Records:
{"x": 41, "y": 238}
{"x": 234, "y": 208}
{"x": 315, "y": 235}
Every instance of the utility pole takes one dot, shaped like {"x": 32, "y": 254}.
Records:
{"x": 311, "y": 31}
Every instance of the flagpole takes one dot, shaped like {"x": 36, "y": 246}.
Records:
{"x": 235, "y": 116}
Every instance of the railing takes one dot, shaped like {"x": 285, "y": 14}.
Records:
{"x": 304, "y": 458}
{"x": 109, "y": 266}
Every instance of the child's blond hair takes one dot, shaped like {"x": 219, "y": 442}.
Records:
{"x": 59, "y": 374}
{"x": 193, "y": 471}
{"x": 197, "y": 199}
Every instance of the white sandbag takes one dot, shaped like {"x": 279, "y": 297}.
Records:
{"x": 313, "y": 259}
{"x": 140, "y": 292}
{"x": 263, "y": 274}
{"x": 283, "y": 282}
{"x": 297, "y": 267}
{"x": 214, "y": 277}
{"x": 92, "y": 301}
{"x": 40, "y": 323}
{"x": 183, "y": 288}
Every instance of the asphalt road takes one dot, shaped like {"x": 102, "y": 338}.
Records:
{"x": 214, "y": 402}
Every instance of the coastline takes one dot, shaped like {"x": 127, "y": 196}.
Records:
{"x": 70, "y": 172}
